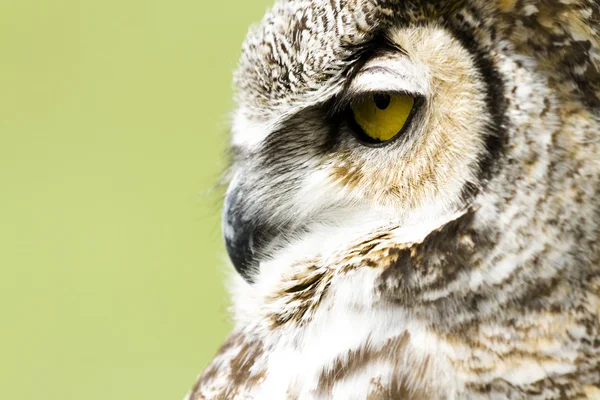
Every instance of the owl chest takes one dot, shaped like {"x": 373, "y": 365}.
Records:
{"x": 395, "y": 368}
{"x": 416, "y": 364}
{"x": 401, "y": 360}
{"x": 349, "y": 353}
{"x": 352, "y": 347}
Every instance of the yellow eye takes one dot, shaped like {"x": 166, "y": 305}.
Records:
{"x": 382, "y": 116}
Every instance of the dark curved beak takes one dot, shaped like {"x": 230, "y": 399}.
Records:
{"x": 245, "y": 235}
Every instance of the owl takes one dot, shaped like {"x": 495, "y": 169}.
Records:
{"x": 413, "y": 208}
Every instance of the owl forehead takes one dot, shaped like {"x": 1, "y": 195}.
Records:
{"x": 303, "y": 50}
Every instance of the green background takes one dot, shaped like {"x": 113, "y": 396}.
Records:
{"x": 113, "y": 127}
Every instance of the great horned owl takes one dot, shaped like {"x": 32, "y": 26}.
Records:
{"x": 414, "y": 203}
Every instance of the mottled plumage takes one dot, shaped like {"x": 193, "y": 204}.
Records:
{"x": 461, "y": 260}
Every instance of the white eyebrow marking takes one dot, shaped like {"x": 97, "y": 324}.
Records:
{"x": 247, "y": 133}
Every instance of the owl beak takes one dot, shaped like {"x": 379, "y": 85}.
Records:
{"x": 245, "y": 234}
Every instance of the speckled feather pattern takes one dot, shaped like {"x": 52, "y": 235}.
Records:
{"x": 461, "y": 262}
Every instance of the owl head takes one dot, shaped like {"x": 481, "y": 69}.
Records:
{"x": 449, "y": 146}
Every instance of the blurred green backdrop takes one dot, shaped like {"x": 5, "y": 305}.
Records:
{"x": 113, "y": 125}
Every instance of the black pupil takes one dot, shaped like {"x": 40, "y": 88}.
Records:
{"x": 382, "y": 101}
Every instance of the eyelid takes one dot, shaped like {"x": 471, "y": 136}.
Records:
{"x": 392, "y": 73}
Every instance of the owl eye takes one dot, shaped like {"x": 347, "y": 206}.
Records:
{"x": 380, "y": 117}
